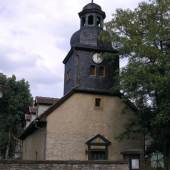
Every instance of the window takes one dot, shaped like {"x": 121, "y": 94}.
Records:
{"x": 133, "y": 159}
{"x": 97, "y": 102}
{"x": 134, "y": 163}
{"x": 92, "y": 70}
{"x": 98, "y": 155}
{"x": 157, "y": 160}
{"x": 102, "y": 71}
{"x": 98, "y": 148}
{"x": 83, "y": 20}
{"x": 98, "y": 21}
{"x": 90, "y": 20}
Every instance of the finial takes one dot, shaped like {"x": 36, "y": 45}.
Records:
{"x": 92, "y": 1}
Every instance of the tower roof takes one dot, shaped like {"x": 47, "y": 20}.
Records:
{"x": 92, "y": 8}
{"x": 91, "y": 28}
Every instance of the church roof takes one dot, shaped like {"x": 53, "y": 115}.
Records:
{"x": 45, "y": 100}
{"x": 32, "y": 128}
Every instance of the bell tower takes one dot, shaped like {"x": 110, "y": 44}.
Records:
{"x": 85, "y": 67}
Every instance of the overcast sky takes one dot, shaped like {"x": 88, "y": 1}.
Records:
{"x": 35, "y": 38}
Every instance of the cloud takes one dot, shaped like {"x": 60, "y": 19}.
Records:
{"x": 12, "y": 61}
{"x": 35, "y": 38}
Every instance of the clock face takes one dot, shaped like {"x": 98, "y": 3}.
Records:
{"x": 97, "y": 58}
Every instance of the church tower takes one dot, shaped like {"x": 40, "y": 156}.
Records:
{"x": 83, "y": 124}
{"x": 85, "y": 67}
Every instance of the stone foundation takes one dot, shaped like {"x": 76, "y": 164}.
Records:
{"x": 63, "y": 165}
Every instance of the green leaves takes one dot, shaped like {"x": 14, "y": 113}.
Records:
{"x": 13, "y": 106}
{"x": 143, "y": 36}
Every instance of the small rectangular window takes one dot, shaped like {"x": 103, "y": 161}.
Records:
{"x": 97, "y": 102}
{"x": 134, "y": 163}
{"x": 97, "y": 155}
{"x": 102, "y": 71}
{"x": 92, "y": 70}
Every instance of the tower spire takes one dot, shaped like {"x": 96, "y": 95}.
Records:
{"x": 91, "y": 1}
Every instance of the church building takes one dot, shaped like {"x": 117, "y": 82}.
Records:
{"x": 84, "y": 123}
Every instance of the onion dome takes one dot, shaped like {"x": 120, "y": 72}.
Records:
{"x": 91, "y": 28}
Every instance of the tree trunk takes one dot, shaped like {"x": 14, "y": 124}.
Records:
{"x": 168, "y": 158}
{"x": 8, "y": 146}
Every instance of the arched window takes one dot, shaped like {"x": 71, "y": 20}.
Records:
{"x": 98, "y": 21}
{"x": 83, "y": 20}
{"x": 90, "y": 20}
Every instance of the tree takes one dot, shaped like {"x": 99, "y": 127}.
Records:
{"x": 142, "y": 37}
{"x": 13, "y": 106}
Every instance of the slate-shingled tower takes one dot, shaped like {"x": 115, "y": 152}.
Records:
{"x": 85, "y": 68}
